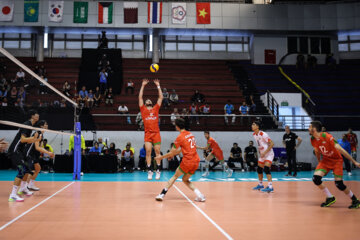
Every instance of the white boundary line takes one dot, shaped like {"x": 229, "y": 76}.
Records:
{"x": 204, "y": 214}
{"x": 37, "y": 205}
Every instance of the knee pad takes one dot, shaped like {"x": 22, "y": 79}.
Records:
{"x": 317, "y": 180}
{"x": 259, "y": 170}
{"x": 340, "y": 185}
{"x": 267, "y": 170}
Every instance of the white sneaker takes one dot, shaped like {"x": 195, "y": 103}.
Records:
{"x": 205, "y": 174}
{"x": 159, "y": 197}
{"x": 157, "y": 176}
{"x": 33, "y": 188}
{"x": 243, "y": 170}
{"x": 200, "y": 199}
{"x": 349, "y": 173}
{"x": 15, "y": 198}
{"x": 26, "y": 192}
{"x": 150, "y": 175}
{"x": 230, "y": 172}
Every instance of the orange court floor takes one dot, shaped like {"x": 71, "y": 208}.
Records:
{"x": 128, "y": 210}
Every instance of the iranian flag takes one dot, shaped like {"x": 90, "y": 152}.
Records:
{"x": 105, "y": 12}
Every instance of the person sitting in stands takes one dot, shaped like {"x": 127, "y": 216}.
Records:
{"x": 130, "y": 86}
{"x": 197, "y": 97}
{"x": 109, "y": 98}
{"x": 165, "y": 101}
{"x": 90, "y": 99}
{"x": 20, "y": 77}
{"x": 112, "y": 150}
{"x": 123, "y": 110}
{"x": 174, "y": 98}
{"x": 95, "y": 148}
{"x": 103, "y": 75}
{"x": 97, "y": 97}
{"x": 127, "y": 159}
{"x": 67, "y": 89}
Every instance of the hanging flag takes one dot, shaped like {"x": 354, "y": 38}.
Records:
{"x": 81, "y": 12}
{"x": 105, "y": 12}
{"x": 131, "y": 12}
{"x": 56, "y": 9}
{"x": 203, "y": 13}
{"x": 31, "y": 10}
{"x": 178, "y": 13}
{"x": 6, "y": 11}
{"x": 154, "y": 12}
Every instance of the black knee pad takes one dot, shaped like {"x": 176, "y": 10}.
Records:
{"x": 21, "y": 171}
{"x": 340, "y": 185}
{"x": 259, "y": 170}
{"x": 317, "y": 180}
{"x": 267, "y": 170}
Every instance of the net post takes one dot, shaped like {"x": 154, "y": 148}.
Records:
{"x": 77, "y": 152}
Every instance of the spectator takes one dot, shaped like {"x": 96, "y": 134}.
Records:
{"x": 83, "y": 93}
{"x": 21, "y": 94}
{"x": 36, "y": 70}
{"x": 103, "y": 75}
{"x": 252, "y": 108}
{"x": 43, "y": 88}
{"x": 3, "y": 81}
{"x": 97, "y": 97}
{"x": 45, "y": 144}
{"x": 236, "y": 156}
{"x": 67, "y": 89}
{"x": 205, "y": 109}
{"x": 46, "y": 161}
{"x": 102, "y": 144}
{"x": 174, "y": 98}
{"x": 139, "y": 122}
{"x": 131, "y": 148}
{"x": 4, "y": 102}
{"x": 129, "y": 86}
{"x": 193, "y": 109}
{"x": 127, "y": 159}
{"x": 103, "y": 42}
{"x": 175, "y": 115}
{"x": 81, "y": 101}
{"x": 124, "y": 111}
{"x": 165, "y": 101}
{"x": 185, "y": 116}
{"x": 42, "y": 71}
{"x": 12, "y": 98}
{"x": 95, "y": 148}
{"x": 344, "y": 143}
{"x": 250, "y": 156}
{"x": 330, "y": 61}
{"x": 63, "y": 103}
{"x": 300, "y": 61}
{"x": 109, "y": 98}
{"x": 104, "y": 63}
{"x": 3, "y": 93}
{"x": 112, "y": 150}
{"x": 90, "y": 99}
{"x": 311, "y": 61}
{"x": 243, "y": 109}
{"x": 142, "y": 158}
{"x": 174, "y": 162}
{"x": 289, "y": 142}
{"x": 229, "y": 111}
{"x": 198, "y": 97}
{"x": 20, "y": 77}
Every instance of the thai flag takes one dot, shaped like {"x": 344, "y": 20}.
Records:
{"x": 154, "y": 12}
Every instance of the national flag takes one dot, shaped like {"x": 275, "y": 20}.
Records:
{"x": 56, "y": 9}
{"x": 154, "y": 12}
{"x": 131, "y": 12}
{"x": 203, "y": 13}
{"x": 105, "y": 12}
{"x": 6, "y": 10}
{"x": 31, "y": 10}
{"x": 178, "y": 13}
{"x": 81, "y": 12}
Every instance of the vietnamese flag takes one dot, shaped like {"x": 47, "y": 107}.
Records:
{"x": 203, "y": 13}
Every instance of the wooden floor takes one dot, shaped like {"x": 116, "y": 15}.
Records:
{"x": 127, "y": 210}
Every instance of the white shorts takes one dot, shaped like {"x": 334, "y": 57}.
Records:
{"x": 269, "y": 157}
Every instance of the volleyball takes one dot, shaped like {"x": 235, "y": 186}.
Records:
{"x": 154, "y": 67}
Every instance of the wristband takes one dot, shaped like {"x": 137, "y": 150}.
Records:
{"x": 158, "y": 87}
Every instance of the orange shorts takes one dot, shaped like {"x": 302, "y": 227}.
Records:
{"x": 353, "y": 148}
{"x": 154, "y": 138}
{"x": 189, "y": 167}
{"x": 327, "y": 165}
{"x": 218, "y": 154}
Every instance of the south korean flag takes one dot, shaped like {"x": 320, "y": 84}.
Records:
{"x": 56, "y": 11}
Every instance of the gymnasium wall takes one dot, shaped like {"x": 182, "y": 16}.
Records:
{"x": 225, "y": 140}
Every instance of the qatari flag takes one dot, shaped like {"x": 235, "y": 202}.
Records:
{"x": 131, "y": 12}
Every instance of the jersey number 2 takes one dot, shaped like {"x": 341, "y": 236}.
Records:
{"x": 192, "y": 142}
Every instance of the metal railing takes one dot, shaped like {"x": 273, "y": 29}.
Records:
{"x": 272, "y": 105}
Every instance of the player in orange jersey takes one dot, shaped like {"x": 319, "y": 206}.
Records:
{"x": 324, "y": 144}
{"x": 186, "y": 144}
{"x": 216, "y": 152}
{"x": 150, "y": 117}
{"x": 352, "y": 138}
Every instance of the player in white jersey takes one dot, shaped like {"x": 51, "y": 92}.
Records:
{"x": 266, "y": 153}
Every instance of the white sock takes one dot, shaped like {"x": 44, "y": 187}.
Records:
{"x": 31, "y": 182}
{"x": 270, "y": 184}
{"x": 260, "y": 183}
{"x": 327, "y": 192}
{"x": 23, "y": 185}
{"x": 197, "y": 192}
{"x": 14, "y": 190}
{"x": 350, "y": 194}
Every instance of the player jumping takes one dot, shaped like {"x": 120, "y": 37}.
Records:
{"x": 216, "y": 152}
{"x": 266, "y": 153}
{"x": 186, "y": 144}
{"x": 324, "y": 144}
{"x": 150, "y": 116}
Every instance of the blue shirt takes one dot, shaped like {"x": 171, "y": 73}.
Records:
{"x": 94, "y": 149}
{"x": 345, "y": 145}
{"x": 244, "y": 109}
{"x": 103, "y": 77}
{"x": 229, "y": 108}
{"x": 83, "y": 94}
{"x": 142, "y": 152}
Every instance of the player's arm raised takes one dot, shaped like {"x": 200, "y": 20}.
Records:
{"x": 160, "y": 97}
{"x": 173, "y": 152}
{"x": 346, "y": 154}
{"x": 141, "y": 93}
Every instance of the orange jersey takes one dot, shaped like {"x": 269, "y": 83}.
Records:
{"x": 213, "y": 145}
{"x": 352, "y": 138}
{"x": 326, "y": 146}
{"x": 188, "y": 147}
{"x": 150, "y": 118}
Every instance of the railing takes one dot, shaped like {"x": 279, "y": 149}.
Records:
{"x": 273, "y": 105}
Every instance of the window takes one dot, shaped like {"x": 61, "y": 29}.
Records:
{"x": 349, "y": 43}
{"x": 169, "y": 46}
{"x": 355, "y": 46}
{"x": 309, "y": 45}
{"x": 234, "y": 47}
{"x": 202, "y": 47}
{"x": 59, "y": 44}
{"x": 11, "y": 44}
{"x": 90, "y": 44}
{"x": 218, "y": 47}
{"x": 185, "y": 46}
{"x": 343, "y": 47}
{"x": 73, "y": 45}
{"x": 25, "y": 44}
